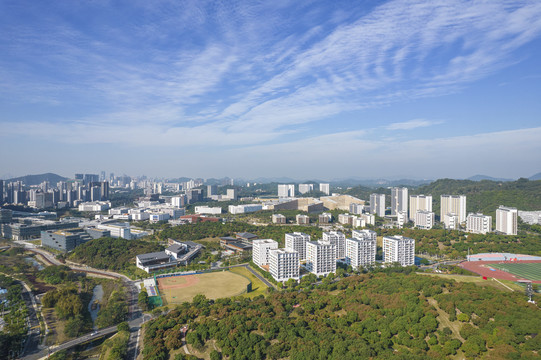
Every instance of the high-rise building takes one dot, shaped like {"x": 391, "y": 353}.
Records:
{"x": 297, "y": 241}
{"x": 179, "y": 201}
{"x": 232, "y": 194}
{"x": 320, "y": 257}
{"x": 399, "y": 200}
{"x": 506, "y": 220}
{"x": 455, "y": 204}
{"x": 1, "y": 191}
{"x": 377, "y": 204}
{"x": 260, "y": 250}
{"x": 401, "y": 218}
{"x": 212, "y": 190}
{"x": 399, "y": 249}
{"x": 451, "y": 221}
{"x": 424, "y": 219}
{"x": 478, "y": 223}
{"x": 284, "y": 264}
{"x": 419, "y": 202}
{"x": 360, "y": 252}
{"x": 305, "y": 188}
{"x": 325, "y": 188}
{"x": 286, "y": 190}
{"x": 339, "y": 239}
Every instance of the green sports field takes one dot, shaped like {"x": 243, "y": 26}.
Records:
{"x": 529, "y": 271}
{"x": 177, "y": 289}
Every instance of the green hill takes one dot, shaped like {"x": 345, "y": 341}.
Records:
{"x": 38, "y": 179}
{"x": 485, "y": 196}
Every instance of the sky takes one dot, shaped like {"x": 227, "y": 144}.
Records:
{"x": 300, "y": 89}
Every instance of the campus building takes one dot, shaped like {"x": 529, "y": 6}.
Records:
{"x": 364, "y": 234}
{"x": 278, "y": 219}
{"x": 478, "y": 223}
{"x": 399, "y": 200}
{"x": 297, "y": 241}
{"x": 305, "y": 188}
{"x": 377, "y": 204}
{"x": 360, "y": 251}
{"x": 339, "y": 239}
{"x": 419, "y": 202}
{"x": 320, "y": 258}
{"x": 399, "y": 249}
{"x": 451, "y": 221}
{"x": 506, "y": 220}
{"x": 284, "y": 264}
{"x": 424, "y": 219}
{"x": 302, "y": 219}
{"x": 286, "y": 190}
{"x": 455, "y": 204}
{"x": 260, "y": 250}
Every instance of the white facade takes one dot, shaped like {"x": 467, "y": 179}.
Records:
{"x": 297, "y": 241}
{"x": 401, "y": 218}
{"x": 339, "y": 239}
{"x": 364, "y": 234}
{"x": 506, "y": 220}
{"x": 424, "y": 219}
{"x": 455, "y": 204}
{"x": 242, "y": 209}
{"x": 399, "y": 200}
{"x": 95, "y": 206}
{"x": 284, "y": 264}
{"x": 360, "y": 252}
{"x": 451, "y": 221}
{"x": 530, "y": 217}
{"x": 320, "y": 258}
{"x": 302, "y": 219}
{"x": 179, "y": 201}
{"x": 286, "y": 190}
{"x": 278, "y": 219}
{"x": 358, "y": 222}
{"x": 231, "y": 194}
{"x": 304, "y": 188}
{"x": 478, "y": 223}
{"x": 260, "y": 250}
{"x": 369, "y": 219}
{"x": 419, "y": 202}
{"x": 399, "y": 249}
{"x": 118, "y": 230}
{"x": 377, "y": 204}
{"x": 208, "y": 210}
{"x": 346, "y": 219}
{"x": 356, "y": 208}
{"x": 325, "y": 188}
{"x": 155, "y": 217}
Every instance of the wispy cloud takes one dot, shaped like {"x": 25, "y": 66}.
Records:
{"x": 412, "y": 124}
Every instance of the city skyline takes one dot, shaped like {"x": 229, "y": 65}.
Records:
{"x": 403, "y": 89}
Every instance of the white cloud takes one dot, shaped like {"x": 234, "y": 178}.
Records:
{"x": 412, "y": 124}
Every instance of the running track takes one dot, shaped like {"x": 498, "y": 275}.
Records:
{"x": 479, "y": 268}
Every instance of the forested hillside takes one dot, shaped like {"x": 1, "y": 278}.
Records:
{"x": 360, "y": 317}
{"x": 485, "y": 196}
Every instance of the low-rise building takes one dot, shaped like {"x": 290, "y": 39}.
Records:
{"x": 208, "y": 210}
{"x": 278, "y": 219}
{"x": 95, "y": 206}
{"x": 302, "y": 219}
{"x": 243, "y": 209}
{"x": 178, "y": 253}
{"x": 325, "y": 218}
{"x": 451, "y": 221}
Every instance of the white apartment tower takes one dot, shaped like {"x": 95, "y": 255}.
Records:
{"x": 506, "y": 220}
{"x": 320, "y": 258}
{"x": 451, "y": 221}
{"x": 399, "y": 249}
{"x": 339, "y": 239}
{"x": 419, "y": 202}
{"x": 377, "y": 204}
{"x": 364, "y": 234}
{"x": 360, "y": 252}
{"x": 455, "y": 204}
{"x": 325, "y": 188}
{"x": 297, "y": 241}
{"x": 399, "y": 200}
{"x": 284, "y": 264}
{"x": 260, "y": 250}
{"x": 424, "y": 219}
{"x": 304, "y": 188}
{"x": 286, "y": 190}
{"x": 478, "y": 223}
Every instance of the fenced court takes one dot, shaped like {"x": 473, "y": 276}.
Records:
{"x": 528, "y": 271}
{"x": 214, "y": 285}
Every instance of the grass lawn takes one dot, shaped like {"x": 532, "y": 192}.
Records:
{"x": 530, "y": 271}
{"x": 178, "y": 289}
{"x": 35, "y": 242}
{"x": 258, "y": 287}
{"x": 478, "y": 280}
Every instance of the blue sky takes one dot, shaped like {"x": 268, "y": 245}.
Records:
{"x": 321, "y": 89}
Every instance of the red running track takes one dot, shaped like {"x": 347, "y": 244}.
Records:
{"x": 482, "y": 268}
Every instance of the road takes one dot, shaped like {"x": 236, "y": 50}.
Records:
{"x": 135, "y": 315}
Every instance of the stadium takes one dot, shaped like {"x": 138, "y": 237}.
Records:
{"x": 505, "y": 266}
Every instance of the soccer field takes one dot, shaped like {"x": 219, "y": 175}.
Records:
{"x": 529, "y": 271}
{"x": 178, "y": 289}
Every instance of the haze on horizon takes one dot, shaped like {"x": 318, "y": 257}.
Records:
{"x": 325, "y": 90}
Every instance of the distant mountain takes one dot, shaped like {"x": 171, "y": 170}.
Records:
{"x": 536, "y": 176}
{"x": 38, "y": 179}
{"x": 484, "y": 177}
{"x": 376, "y": 183}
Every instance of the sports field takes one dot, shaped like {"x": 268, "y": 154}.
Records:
{"x": 529, "y": 271}
{"x": 178, "y": 289}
